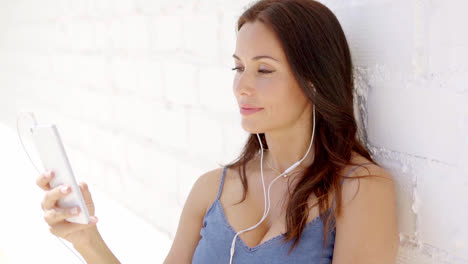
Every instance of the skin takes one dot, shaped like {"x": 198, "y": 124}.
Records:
{"x": 84, "y": 237}
{"x": 268, "y": 83}
{"x": 367, "y": 228}
{"x": 55, "y": 216}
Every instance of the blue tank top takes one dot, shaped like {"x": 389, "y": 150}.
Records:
{"x": 217, "y": 235}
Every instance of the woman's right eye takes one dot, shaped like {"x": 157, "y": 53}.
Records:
{"x": 238, "y": 69}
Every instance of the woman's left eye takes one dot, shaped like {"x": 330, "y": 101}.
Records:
{"x": 261, "y": 71}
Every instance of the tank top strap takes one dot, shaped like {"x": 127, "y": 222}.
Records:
{"x": 333, "y": 204}
{"x": 353, "y": 170}
{"x": 222, "y": 183}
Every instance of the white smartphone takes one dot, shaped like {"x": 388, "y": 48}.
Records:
{"x": 52, "y": 154}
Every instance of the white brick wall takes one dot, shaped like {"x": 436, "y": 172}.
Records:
{"x": 142, "y": 94}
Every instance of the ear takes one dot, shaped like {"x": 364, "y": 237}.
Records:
{"x": 311, "y": 84}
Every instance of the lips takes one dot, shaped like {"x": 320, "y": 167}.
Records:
{"x": 248, "y": 111}
{"x": 247, "y": 106}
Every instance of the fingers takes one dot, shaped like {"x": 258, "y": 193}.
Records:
{"x": 51, "y": 197}
{"x": 57, "y": 214}
{"x": 43, "y": 180}
{"x": 85, "y": 192}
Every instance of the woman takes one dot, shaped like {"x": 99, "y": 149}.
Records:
{"x": 294, "y": 87}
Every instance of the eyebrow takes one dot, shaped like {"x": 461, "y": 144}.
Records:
{"x": 257, "y": 57}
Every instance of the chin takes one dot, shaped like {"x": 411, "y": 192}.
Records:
{"x": 252, "y": 127}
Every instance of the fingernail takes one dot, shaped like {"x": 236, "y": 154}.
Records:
{"x": 93, "y": 219}
{"x": 49, "y": 174}
{"x": 64, "y": 189}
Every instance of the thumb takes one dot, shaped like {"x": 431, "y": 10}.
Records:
{"x": 87, "y": 198}
{"x": 85, "y": 191}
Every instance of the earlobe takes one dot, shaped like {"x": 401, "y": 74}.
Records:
{"x": 313, "y": 86}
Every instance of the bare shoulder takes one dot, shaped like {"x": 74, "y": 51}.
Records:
{"x": 196, "y": 204}
{"x": 207, "y": 186}
{"x": 210, "y": 178}
{"x": 366, "y": 230}
{"x": 366, "y": 177}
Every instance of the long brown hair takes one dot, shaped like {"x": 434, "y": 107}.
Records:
{"x": 318, "y": 55}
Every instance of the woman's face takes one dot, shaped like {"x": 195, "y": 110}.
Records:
{"x": 266, "y": 83}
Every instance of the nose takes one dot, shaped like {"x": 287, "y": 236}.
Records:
{"x": 242, "y": 85}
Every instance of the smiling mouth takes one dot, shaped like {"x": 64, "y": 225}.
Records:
{"x": 248, "y": 111}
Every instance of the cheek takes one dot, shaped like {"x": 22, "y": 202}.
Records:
{"x": 269, "y": 92}
{"x": 283, "y": 99}
{"x": 275, "y": 97}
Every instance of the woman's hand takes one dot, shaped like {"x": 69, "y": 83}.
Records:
{"x": 55, "y": 216}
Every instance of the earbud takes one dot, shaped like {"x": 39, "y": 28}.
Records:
{"x": 284, "y": 174}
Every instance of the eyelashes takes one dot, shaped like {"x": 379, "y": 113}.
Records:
{"x": 261, "y": 71}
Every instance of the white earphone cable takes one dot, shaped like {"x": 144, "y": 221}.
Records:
{"x": 265, "y": 213}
